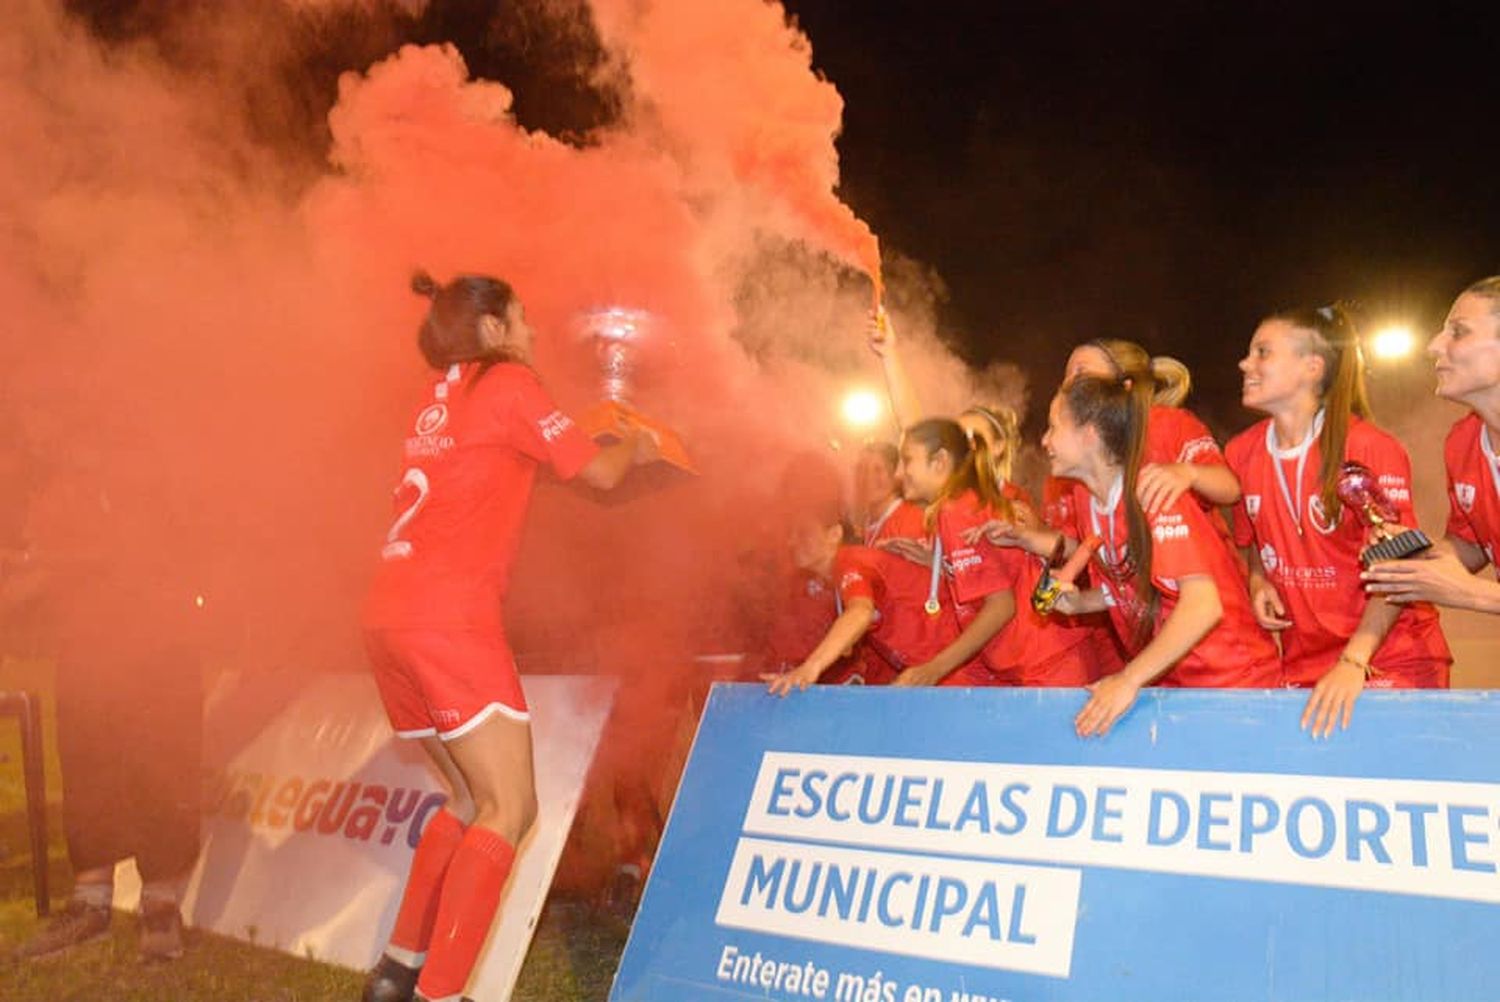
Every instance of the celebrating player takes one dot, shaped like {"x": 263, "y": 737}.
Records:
{"x": 1181, "y": 455}
{"x": 1467, "y": 357}
{"x": 1305, "y": 370}
{"x": 1169, "y": 580}
{"x": 883, "y": 623}
{"x": 433, "y": 625}
{"x": 991, "y": 586}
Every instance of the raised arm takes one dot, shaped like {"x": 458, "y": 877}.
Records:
{"x": 906, "y": 406}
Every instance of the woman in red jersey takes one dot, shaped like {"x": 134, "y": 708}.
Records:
{"x": 1305, "y": 371}
{"x": 881, "y": 622}
{"x": 1466, "y": 353}
{"x": 1181, "y": 455}
{"x": 432, "y": 621}
{"x": 1170, "y": 582}
{"x": 990, "y": 586}
{"x": 880, "y": 512}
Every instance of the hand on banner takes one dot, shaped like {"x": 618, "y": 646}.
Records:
{"x": 1266, "y": 603}
{"x": 880, "y": 334}
{"x": 1438, "y": 577}
{"x": 798, "y": 678}
{"x": 914, "y": 550}
{"x": 923, "y": 674}
{"x": 1159, "y": 485}
{"x": 1109, "y": 699}
{"x": 1332, "y": 699}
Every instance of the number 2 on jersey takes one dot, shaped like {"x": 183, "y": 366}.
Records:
{"x": 411, "y": 494}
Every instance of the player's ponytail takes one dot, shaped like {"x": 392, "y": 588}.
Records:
{"x": 424, "y": 284}
{"x": 1169, "y": 380}
{"x": 997, "y": 450}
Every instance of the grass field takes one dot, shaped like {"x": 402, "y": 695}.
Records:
{"x": 572, "y": 958}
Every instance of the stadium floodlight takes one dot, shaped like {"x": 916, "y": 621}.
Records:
{"x": 1393, "y": 343}
{"x": 862, "y": 409}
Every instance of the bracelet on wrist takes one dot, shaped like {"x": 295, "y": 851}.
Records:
{"x": 1363, "y": 666}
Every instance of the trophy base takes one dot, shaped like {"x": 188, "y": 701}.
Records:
{"x": 1407, "y": 543}
{"x": 604, "y": 420}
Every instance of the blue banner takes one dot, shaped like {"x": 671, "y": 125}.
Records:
{"x": 891, "y": 845}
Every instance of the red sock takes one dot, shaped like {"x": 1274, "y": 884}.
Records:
{"x": 419, "y": 904}
{"x": 471, "y": 896}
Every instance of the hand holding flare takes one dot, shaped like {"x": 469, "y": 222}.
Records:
{"x": 1051, "y": 587}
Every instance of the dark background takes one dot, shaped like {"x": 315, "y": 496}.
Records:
{"x": 1167, "y": 173}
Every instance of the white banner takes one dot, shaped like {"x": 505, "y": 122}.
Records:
{"x": 314, "y": 808}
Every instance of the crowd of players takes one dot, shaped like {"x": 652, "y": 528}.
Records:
{"x": 1233, "y": 567}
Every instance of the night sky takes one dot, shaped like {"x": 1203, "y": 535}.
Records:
{"x": 1167, "y": 173}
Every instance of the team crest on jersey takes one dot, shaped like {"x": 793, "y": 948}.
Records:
{"x": 432, "y": 419}
{"x": 1252, "y": 505}
{"x": 1465, "y": 494}
{"x": 1268, "y": 558}
{"x": 1318, "y": 517}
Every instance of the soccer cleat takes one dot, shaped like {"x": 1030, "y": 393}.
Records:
{"x": 390, "y": 981}
{"x": 75, "y": 925}
{"x": 161, "y": 930}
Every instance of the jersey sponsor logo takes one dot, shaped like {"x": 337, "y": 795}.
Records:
{"x": 1268, "y": 558}
{"x": 432, "y": 419}
{"x": 1395, "y": 487}
{"x": 1252, "y": 505}
{"x": 427, "y": 446}
{"x": 554, "y": 424}
{"x": 963, "y": 560}
{"x": 1465, "y": 494}
{"x": 1168, "y": 526}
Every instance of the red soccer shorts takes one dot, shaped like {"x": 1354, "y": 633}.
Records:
{"x": 444, "y": 682}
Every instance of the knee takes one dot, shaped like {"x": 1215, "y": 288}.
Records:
{"x": 511, "y": 817}
{"x": 461, "y": 807}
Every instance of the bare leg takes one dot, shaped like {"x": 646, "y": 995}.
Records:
{"x": 494, "y": 761}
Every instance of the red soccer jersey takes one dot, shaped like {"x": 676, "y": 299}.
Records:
{"x": 1173, "y": 435}
{"x": 903, "y": 634}
{"x": 1473, "y": 486}
{"x": 470, "y": 462}
{"x": 901, "y": 520}
{"x": 1030, "y": 649}
{"x": 1093, "y": 629}
{"x": 1315, "y": 566}
{"x": 807, "y": 610}
{"x": 1236, "y": 653}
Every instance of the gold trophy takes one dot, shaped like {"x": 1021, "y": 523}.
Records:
{"x": 1388, "y": 540}
{"x": 617, "y": 335}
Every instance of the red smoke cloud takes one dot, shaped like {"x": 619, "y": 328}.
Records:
{"x": 211, "y": 367}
